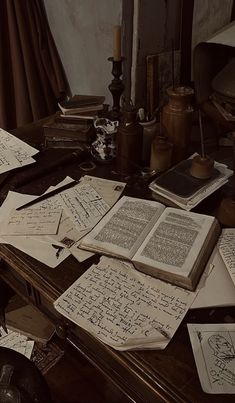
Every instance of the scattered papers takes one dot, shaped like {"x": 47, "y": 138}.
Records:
{"x": 32, "y": 221}
{"x": 124, "y": 308}
{"x": 226, "y": 245}
{"x": 14, "y": 153}
{"x": 82, "y": 207}
{"x": 214, "y": 352}
{"x": 190, "y": 202}
{"x": 17, "y": 342}
{"x": 213, "y": 283}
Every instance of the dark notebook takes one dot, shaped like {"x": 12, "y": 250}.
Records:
{"x": 179, "y": 181}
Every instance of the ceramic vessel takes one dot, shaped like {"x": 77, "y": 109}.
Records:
{"x": 150, "y": 129}
{"x": 103, "y": 149}
{"x": 129, "y": 143}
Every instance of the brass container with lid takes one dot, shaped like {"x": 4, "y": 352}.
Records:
{"x": 129, "y": 143}
{"x": 177, "y": 118}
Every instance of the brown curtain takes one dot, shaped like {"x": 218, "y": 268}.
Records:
{"x": 32, "y": 78}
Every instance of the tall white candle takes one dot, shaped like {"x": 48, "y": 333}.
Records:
{"x": 117, "y": 43}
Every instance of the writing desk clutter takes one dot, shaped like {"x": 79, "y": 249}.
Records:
{"x": 168, "y": 375}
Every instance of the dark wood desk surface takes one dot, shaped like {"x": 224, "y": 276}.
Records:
{"x": 144, "y": 376}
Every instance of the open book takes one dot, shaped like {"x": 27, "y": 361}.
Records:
{"x": 167, "y": 243}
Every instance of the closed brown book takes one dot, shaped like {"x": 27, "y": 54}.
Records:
{"x": 58, "y": 132}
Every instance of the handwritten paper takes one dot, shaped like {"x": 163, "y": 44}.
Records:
{"x": 53, "y": 249}
{"x": 108, "y": 189}
{"x": 14, "y": 152}
{"x": 214, "y": 280}
{"x": 214, "y": 352}
{"x": 124, "y": 308}
{"x": 32, "y": 221}
{"x": 226, "y": 245}
{"x": 17, "y": 342}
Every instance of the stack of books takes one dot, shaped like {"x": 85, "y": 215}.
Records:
{"x": 73, "y": 123}
{"x": 86, "y": 107}
{"x": 68, "y": 135}
{"x": 177, "y": 187}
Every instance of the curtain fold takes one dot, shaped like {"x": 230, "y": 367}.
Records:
{"x": 32, "y": 79}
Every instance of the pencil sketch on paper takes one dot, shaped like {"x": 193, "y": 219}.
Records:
{"x": 214, "y": 353}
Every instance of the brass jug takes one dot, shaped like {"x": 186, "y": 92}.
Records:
{"x": 177, "y": 120}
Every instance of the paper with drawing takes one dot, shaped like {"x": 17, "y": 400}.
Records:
{"x": 124, "y": 308}
{"x": 214, "y": 352}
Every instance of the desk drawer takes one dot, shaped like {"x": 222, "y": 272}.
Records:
{"x": 15, "y": 281}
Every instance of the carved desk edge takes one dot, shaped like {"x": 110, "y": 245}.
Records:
{"x": 143, "y": 376}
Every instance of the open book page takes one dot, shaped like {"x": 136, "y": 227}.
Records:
{"x": 175, "y": 241}
{"x": 226, "y": 245}
{"x": 124, "y": 308}
{"x": 214, "y": 352}
{"x": 215, "y": 287}
{"x": 123, "y": 229}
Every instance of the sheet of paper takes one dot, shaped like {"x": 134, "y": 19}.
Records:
{"x": 31, "y": 221}
{"x": 80, "y": 254}
{"x": 214, "y": 281}
{"x": 14, "y": 341}
{"x": 51, "y": 254}
{"x": 124, "y": 308}
{"x": 49, "y": 249}
{"x": 226, "y": 245}
{"x": 17, "y": 342}
{"x": 14, "y": 152}
{"x": 29, "y": 348}
{"x": 108, "y": 189}
{"x": 79, "y": 218}
{"x": 214, "y": 352}
{"x": 7, "y": 160}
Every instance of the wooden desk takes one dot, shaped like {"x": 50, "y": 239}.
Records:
{"x": 144, "y": 376}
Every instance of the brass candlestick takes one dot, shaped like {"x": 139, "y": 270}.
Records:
{"x": 116, "y": 87}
